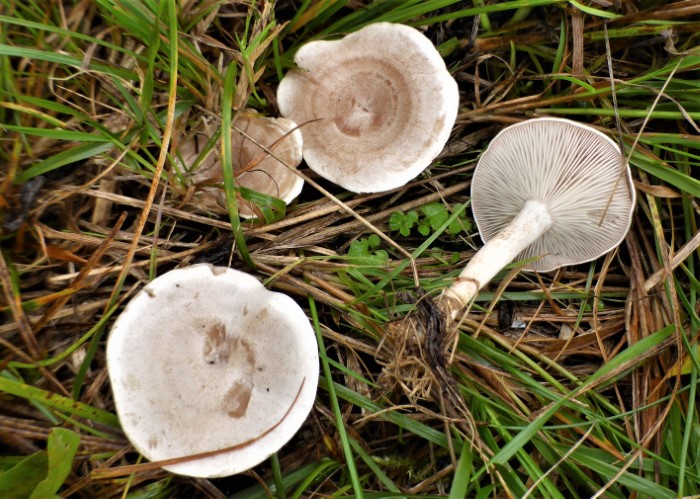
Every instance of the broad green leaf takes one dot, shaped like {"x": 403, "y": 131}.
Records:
{"x": 361, "y": 252}
{"x": 20, "y": 480}
{"x": 61, "y": 447}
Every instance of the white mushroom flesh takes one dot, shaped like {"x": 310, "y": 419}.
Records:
{"x": 528, "y": 225}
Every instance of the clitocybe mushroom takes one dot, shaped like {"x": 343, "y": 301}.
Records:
{"x": 205, "y": 359}
{"x": 384, "y": 101}
{"x": 549, "y": 190}
{"x": 253, "y": 168}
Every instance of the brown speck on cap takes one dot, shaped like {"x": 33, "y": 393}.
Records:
{"x": 237, "y": 398}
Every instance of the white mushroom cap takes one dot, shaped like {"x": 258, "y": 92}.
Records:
{"x": 253, "y": 168}
{"x": 575, "y": 171}
{"x": 205, "y": 358}
{"x": 385, "y": 101}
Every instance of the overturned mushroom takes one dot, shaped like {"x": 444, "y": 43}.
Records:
{"x": 253, "y": 168}
{"x": 205, "y": 362}
{"x": 549, "y": 190}
{"x": 384, "y": 101}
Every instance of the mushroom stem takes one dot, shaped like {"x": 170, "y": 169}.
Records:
{"x": 530, "y": 223}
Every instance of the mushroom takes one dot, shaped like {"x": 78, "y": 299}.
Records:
{"x": 205, "y": 362}
{"x": 253, "y": 168}
{"x": 547, "y": 190}
{"x": 383, "y": 100}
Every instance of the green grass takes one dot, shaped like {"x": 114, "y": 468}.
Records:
{"x": 95, "y": 102}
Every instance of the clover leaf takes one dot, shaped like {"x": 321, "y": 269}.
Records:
{"x": 363, "y": 252}
{"x": 403, "y": 222}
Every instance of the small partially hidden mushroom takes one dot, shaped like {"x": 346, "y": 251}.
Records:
{"x": 383, "y": 100}
{"x": 204, "y": 361}
{"x": 253, "y": 167}
{"x": 548, "y": 190}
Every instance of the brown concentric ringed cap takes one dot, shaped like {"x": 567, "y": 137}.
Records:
{"x": 384, "y": 100}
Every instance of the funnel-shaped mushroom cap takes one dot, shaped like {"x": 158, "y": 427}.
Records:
{"x": 253, "y": 167}
{"x": 206, "y": 358}
{"x": 385, "y": 101}
{"x": 575, "y": 171}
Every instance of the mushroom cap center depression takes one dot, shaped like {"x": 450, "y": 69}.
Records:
{"x": 373, "y": 122}
{"x": 375, "y": 108}
{"x": 371, "y": 102}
